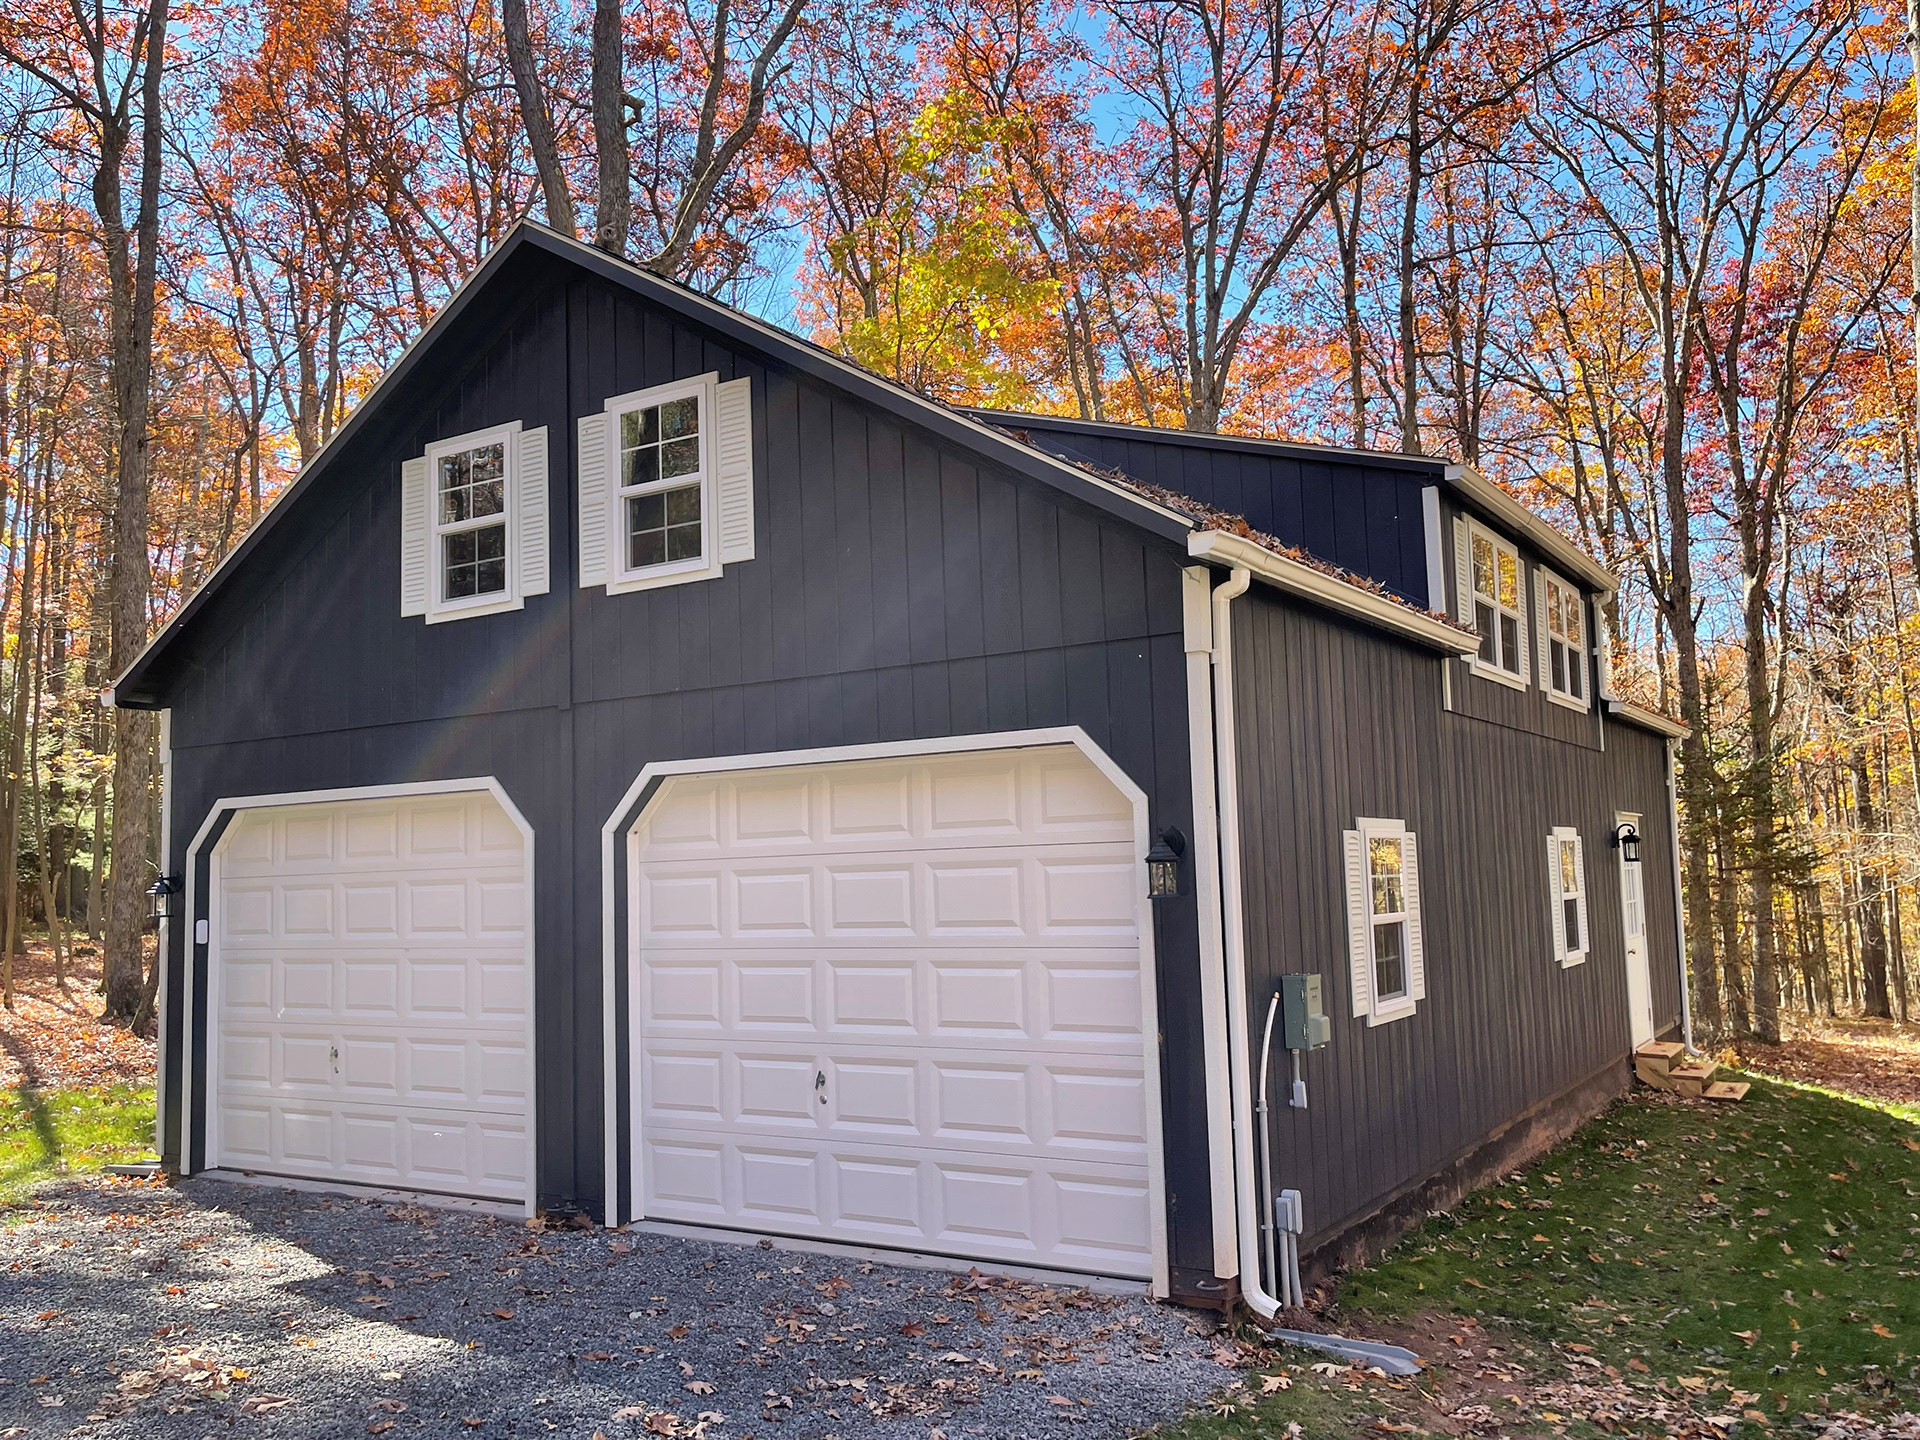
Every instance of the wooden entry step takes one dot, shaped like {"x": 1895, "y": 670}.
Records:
{"x": 1667, "y": 1066}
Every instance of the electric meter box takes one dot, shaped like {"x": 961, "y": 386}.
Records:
{"x": 1304, "y": 1022}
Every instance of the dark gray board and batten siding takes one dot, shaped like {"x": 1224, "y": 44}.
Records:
{"x": 1360, "y": 511}
{"x": 1333, "y": 724}
{"x": 903, "y": 589}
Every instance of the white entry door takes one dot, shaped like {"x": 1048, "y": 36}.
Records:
{"x": 371, "y": 995}
{"x": 1633, "y": 921}
{"x": 898, "y": 1002}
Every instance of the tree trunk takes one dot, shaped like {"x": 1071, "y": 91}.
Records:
{"x": 1873, "y": 930}
{"x": 129, "y": 582}
{"x": 613, "y": 203}
{"x": 535, "y": 116}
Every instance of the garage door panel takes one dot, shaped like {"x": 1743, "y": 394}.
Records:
{"x": 777, "y": 1184}
{"x": 1067, "y": 895}
{"x": 961, "y": 1100}
{"x": 967, "y": 801}
{"x": 372, "y": 994}
{"x": 1085, "y": 1217}
{"x": 769, "y": 994}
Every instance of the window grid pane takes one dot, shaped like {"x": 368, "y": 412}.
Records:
{"x": 474, "y": 562}
{"x": 663, "y": 527}
{"x": 1389, "y": 959}
{"x": 473, "y": 484}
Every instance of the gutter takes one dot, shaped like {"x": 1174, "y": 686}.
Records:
{"x": 1647, "y": 719}
{"x": 1239, "y": 553}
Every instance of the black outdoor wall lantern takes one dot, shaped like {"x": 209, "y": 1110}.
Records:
{"x": 1163, "y": 864}
{"x": 1628, "y": 840}
{"x": 160, "y": 897}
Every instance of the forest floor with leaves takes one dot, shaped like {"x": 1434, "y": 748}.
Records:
{"x": 1676, "y": 1268}
{"x": 54, "y": 1038}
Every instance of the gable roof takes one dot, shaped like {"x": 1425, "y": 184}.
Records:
{"x": 983, "y": 432}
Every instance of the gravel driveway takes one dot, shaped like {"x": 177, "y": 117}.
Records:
{"x": 214, "y": 1309}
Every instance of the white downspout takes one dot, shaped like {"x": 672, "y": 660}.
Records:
{"x": 1196, "y": 590}
{"x": 1233, "y": 948}
{"x": 1679, "y": 900}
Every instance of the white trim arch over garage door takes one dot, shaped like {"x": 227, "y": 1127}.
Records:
{"x": 368, "y": 955}
{"x": 897, "y": 995}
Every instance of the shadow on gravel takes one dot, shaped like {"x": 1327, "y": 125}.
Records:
{"x": 284, "y": 1312}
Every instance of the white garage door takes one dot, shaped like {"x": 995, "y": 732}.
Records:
{"x": 898, "y": 1003}
{"x": 371, "y": 995}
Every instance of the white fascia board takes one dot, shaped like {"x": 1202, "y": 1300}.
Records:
{"x": 1509, "y": 513}
{"x": 1648, "y": 719}
{"x": 1311, "y": 584}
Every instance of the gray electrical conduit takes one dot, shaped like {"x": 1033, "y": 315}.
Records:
{"x": 1246, "y": 1203}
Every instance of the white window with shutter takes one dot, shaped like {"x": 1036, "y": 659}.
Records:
{"x": 1560, "y": 622}
{"x": 1386, "y": 951}
{"x": 1490, "y": 589}
{"x": 1567, "y": 888}
{"x": 473, "y": 524}
{"x": 666, "y": 485}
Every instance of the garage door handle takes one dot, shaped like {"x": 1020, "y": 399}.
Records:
{"x": 333, "y": 1054}
{"x": 820, "y": 1084}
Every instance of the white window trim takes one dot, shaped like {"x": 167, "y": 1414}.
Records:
{"x": 1478, "y": 666}
{"x": 438, "y": 607}
{"x": 1360, "y": 924}
{"x": 1542, "y": 577}
{"x": 1568, "y": 958}
{"x": 621, "y": 578}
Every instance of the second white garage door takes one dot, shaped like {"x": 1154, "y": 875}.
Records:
{"x": 371, "y": 998}
{"x": 898, "y": 1002}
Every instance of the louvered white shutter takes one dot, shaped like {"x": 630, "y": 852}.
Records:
{"x": 1555, "y": 914}
{"x": 1416, "y": 943}
{"x": 1359, "y": 948}
{"x": 1544, "y": 674}
{"x": 415, "y": 537}
{"x": 733, "y": 469}
{"x": 596, "y": 483}
{"x": 1580, "y": 875}
{"x": 1462, "y": 571}
{"x": 530, "y": 510}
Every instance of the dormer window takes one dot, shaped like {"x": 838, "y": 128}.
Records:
{"x": 473, "y": 523}
{"x": 1492, "y": 598}
{"x": 1563, "y": 633}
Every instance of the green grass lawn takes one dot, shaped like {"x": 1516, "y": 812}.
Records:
{"x": 1752, "y": 1259}
{"x": 45, "y": 1133}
